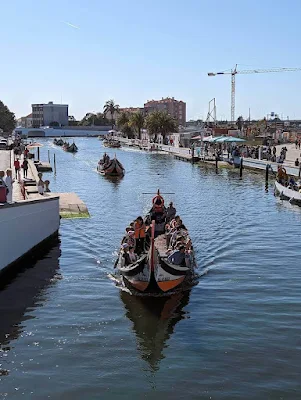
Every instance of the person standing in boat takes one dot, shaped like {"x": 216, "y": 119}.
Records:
{"x": 170, "y": 212}
{"x": 139, "y": 235}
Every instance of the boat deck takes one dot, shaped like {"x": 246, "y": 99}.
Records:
{"x": 160, "y": 244}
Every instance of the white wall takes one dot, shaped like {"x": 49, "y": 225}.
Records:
{"x": 24, "y": 225}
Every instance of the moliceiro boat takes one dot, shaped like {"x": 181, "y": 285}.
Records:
{"x": 156, "y": 254}
{"x": 70, "y": 148}
{"x": 58, "y": 142}
{"x": 110, "y": 167}
{"x": 111, "y": 143}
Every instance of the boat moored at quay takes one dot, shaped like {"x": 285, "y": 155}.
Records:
{"x": 27, "y": 224}
{"x": 157, "y": 256}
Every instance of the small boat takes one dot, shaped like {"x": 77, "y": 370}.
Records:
{"x": 70, "y": 148}
{"x": 58, "y": 142}
{"x": 288, "y": 193}
{"x": 111, "y": 143}
{"x": 110, "y": 167}
{"x": 156, "y": 270}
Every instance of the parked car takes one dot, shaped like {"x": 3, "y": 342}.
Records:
{"x": 3, "y": 144}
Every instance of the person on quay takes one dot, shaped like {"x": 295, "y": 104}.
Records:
{"x": 9, "y": 180}
{"x": 25, "y": 168}
{"x": 297, "y": 162}
{"x": 3, "y": 185}
{"x": 26, "y": 151}
{"x": 139, "y": 235}
{"x": 17, "y": 168}
{"x": 170, "y": 212}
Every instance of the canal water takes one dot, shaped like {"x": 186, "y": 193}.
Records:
{"x": 67, "y": 332}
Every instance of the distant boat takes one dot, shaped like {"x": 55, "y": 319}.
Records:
{"x": 111, "y": 168}
{"x": 58, "y": 142}
{"x": 112, "y": 143}
{"x": 70, "y": 148}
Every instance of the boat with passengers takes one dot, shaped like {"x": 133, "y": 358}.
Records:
{"x": 156, "y": 253}
{"x": 287, "y": 187}
{"x": 110, "y": 167}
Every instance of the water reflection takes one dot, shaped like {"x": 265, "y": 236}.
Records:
{"x": 20, "y": 291}
{"x": 154, "y": 319}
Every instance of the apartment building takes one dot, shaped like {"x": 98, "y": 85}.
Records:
{"x": 46, "y": 114}
{"x": 175, "y": 108}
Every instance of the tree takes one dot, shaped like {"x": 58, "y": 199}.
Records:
{"x": 123, "y": 123}
{"x": 137, "y": 122}
{"x": 91, "y": 119}
{"x": 111, "y": 108}
{"x": 123, "y": 119}
{"x": 160, "y": 122}
{"x": 7, "y": 119}
{"x": 54, "y": 123}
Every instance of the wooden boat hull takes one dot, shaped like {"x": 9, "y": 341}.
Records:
{"x": 113, "y": 145}
{"x": 169, "y": 276}
{"x": 137, "y": 275}
{"x": 115, "y": 168}
{"x": 288, "y": 194}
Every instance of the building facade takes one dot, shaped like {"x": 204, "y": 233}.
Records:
{"x": 47, "y": 114}
{"x": 25, "y": 122}
{"x": 175, "y": 108}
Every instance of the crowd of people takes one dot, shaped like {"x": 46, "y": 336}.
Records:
{"x": 138, "y": 235}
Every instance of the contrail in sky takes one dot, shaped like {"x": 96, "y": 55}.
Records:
{"x": 72, "y": 26}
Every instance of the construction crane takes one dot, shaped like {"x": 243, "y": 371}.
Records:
{"x": 255, "y": 71}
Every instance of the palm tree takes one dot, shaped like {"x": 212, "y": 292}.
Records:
{"x": 137, "y": 122}
{"x": 123, "y": 119}
{"x": 160, "y": 122}
{"x": 112, "y": 108}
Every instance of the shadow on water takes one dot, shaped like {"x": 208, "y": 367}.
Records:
{"x": 20, "y": 290}
{"x": 115, "y": 180}
{"x": 154, "y": 320}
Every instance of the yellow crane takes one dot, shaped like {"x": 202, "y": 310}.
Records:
{"x": 234, "y": 72}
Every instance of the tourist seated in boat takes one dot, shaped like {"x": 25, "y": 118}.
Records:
{"x": 281, "y": 175}
{"x": 170, "y": 212}
{"x": 177, "y": 257}
{"x": 124, "y": 257}
{"x": 132, "y": 255}
{"x": 180, "y": 225}
{"x": 292, "y": 183}
{"x": 140, "y": 233}
{"x": 129, "y": 237}
{"x": 174, "y": 221}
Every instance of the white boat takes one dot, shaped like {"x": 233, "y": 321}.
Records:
{"x": 26, "y": 224}
{"x": 287, "y": 193}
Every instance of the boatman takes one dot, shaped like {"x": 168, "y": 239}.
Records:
{"x": 177, "y": 257}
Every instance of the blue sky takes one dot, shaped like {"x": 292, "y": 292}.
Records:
{"x": 132, "y": 51}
